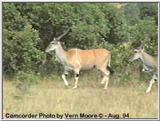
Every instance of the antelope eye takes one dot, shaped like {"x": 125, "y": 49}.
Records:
{"x": 52, "y": 42}
{"x": 135, "y": 51}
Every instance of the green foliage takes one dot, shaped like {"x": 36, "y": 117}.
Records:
{"x": 132, "y": 13}
{"x": 148, "y": 10}
{"x": 29, "y": 27}
{"x": 20, "y": 49}
{"x": 145, "y": 32}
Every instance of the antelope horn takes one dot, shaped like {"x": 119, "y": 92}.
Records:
{"x": 59, "y": 37}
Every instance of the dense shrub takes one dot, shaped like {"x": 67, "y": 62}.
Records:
{"x": 29, "y": 27}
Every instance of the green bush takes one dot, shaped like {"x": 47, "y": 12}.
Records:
{"x": 21, "y": 51}
{"x": 29, "y": 27}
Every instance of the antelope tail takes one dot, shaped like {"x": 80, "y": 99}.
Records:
{"x": 110, "y": 69}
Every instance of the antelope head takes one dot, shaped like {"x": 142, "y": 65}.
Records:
{"x": 137, "y": 53}
{"x": 54, "y": 43}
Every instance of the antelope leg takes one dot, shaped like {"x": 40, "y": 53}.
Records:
{"x": 76, "y": 71}
{"x": 76, "y": 81}
{"x": 103, "y": 80}
{"x": 150, "y": 86}
{"x": 64, "y": 79}
{"x": 106, "y": 77}
{"x": 107, "y": 80}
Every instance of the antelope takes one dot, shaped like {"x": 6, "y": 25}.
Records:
{"x": 149, "y": 64}
{"x": 76, "y": 60}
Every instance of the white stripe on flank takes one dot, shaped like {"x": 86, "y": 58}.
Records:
{"x": 77, "y": 58}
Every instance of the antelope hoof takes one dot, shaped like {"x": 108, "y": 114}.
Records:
{"x": 102, "y": 82}
{"x": 74, "y": 87}
{"x": 105, "y": 88}
{"x": 66, "y": 84}
{"x": 147, "y": 91}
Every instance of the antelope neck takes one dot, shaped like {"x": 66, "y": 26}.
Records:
{"x": 148, "y": 60}
{"x": 60, "y": 53}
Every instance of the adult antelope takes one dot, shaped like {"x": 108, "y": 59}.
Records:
{"x": 149, "y": 64}
{"x": 77, "y": 59}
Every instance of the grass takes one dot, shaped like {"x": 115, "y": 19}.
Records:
{"x": 52, "y": 96}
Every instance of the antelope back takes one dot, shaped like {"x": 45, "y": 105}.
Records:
{"x": 88, "y": 58}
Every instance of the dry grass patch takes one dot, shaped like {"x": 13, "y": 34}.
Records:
{"x": 54, "y": 97}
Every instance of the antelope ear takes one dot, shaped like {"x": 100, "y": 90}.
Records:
{"x": 142, "y": 48}
{"x": 54, "y": 39}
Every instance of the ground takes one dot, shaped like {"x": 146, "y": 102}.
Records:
{"x": 49, "y": 96}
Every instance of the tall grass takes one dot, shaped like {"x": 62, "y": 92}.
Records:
{"x": 50, "y": 95}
